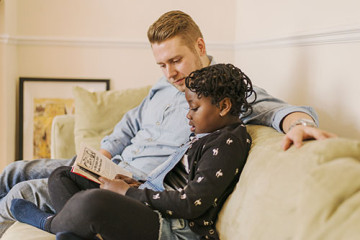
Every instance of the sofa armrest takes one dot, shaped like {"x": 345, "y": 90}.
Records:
{"x": 62, "y": 137}
{"x": 24, "y": 231}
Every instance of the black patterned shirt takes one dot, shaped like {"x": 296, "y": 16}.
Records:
{"x": 215, "y": 162}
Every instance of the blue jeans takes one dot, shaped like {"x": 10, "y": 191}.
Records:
{"x": 27, "y": 180}
{"x": 175, "y": 229}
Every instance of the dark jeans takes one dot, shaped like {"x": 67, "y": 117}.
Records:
{"x": 85, "y": 210}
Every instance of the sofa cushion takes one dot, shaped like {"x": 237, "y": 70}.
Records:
{"x": 91, "y": 107}
{"x": 24, "y": 231}
{"x": 62, "y": 137}
{"x": 307, "y": 193}
{"x": 283, "y": 194}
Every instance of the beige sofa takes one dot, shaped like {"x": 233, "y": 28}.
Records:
{"x": 307, "y": 193}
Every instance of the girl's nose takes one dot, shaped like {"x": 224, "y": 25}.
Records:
{"x": 188, "y": 115}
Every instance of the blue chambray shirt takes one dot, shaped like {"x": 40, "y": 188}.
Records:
{"x": 148, "y": 134}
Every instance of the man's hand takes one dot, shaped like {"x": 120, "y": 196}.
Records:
{"x": 115, "y": 185}
{"x": 105, "y": 153}
{"x": 299, "y": 133}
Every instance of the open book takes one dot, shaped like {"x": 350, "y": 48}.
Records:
{"x": 91, "y": 164}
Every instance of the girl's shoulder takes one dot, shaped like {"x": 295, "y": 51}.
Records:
{"x": 234, "y": 133}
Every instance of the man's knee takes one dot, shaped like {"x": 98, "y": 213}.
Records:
{"x": 27, "y": 189}
{"x": 33, "y": 190}
{"x": 20, "y": 190}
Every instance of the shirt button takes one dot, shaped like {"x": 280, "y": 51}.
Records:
{"x": 158, "y": 123}
{"x": 191, "y": 224}
{"x": 149, "y": 139}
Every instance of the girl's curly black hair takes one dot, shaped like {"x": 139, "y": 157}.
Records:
{"x": 220, "y": 81}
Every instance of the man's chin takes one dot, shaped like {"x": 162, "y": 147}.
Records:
{"x": 181, "y": 87}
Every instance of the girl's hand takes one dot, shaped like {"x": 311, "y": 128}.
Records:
{"x": 115, "y": 185}
{"x": 132, "y": 182}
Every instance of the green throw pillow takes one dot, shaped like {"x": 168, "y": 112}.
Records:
{"x": 97, "y": 113}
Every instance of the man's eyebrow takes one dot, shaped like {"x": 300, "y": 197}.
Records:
{"x": 170, "y": 59}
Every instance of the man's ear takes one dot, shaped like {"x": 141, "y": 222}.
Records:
{"x": 225, "y": 106}
{"x": 200, "y": 46}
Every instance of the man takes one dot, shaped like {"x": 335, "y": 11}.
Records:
{"x": 148, "y": 134}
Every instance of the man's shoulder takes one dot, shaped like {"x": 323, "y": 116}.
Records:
{"x": 162, "y": 87}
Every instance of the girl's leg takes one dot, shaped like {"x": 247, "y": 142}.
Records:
{"x": 67, "y": 236}
{"x": 63, "y": 184}
{"x": 27, "y": 212}
{"x": 111, "y": 215}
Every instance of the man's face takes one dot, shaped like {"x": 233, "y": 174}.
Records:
{"x": 176, "y": 60}
{"x": 204, "y": 117}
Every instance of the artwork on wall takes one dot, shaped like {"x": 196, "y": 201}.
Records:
{"x": 41, "y": 99}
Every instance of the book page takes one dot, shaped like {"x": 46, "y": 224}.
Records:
{"x": 92, "y": 164}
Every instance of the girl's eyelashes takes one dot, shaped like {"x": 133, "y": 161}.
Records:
{"x": 191, "y": 108}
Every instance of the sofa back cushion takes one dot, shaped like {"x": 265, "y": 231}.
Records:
{"x": 310, "y": 192}
{"x": 97, "y": 113}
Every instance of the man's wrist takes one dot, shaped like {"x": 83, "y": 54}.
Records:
{"x": 105, "y": 153}
{"x": 303, "y": 122}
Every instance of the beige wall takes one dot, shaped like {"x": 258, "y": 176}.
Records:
{"x": 8, "y": 76}
{"x": 305, "y": 52}
{"x": 91, "y": 39}
{"x": 105, "y": 39}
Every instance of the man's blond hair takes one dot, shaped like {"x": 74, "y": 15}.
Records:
{"x": 174, "y": 23}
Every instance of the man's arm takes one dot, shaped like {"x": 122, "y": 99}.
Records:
{"x": 124, "y": 131}
{"x": 270, "y": 111}
{"x": 291, "y": 119}
{"x": 273, "y": 112}
{"x": 297, "y": 131}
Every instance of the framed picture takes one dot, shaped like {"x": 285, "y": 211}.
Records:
{"x": 41, "y": 99}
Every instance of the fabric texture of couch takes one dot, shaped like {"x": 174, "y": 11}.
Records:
{"x": 308, "y": 193}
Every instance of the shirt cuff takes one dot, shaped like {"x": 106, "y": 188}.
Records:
{"x": 283, "y": 112}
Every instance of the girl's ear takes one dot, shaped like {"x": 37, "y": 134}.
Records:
{"x": 225, "y": 106}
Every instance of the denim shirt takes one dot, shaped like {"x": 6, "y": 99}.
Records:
{"x": 155, "y": 180}
{"x": 148, "y": 134}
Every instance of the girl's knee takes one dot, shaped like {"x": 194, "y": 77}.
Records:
{"x": 94, "y": 198}
{"x": 59, "y": 172}
{"x": 89, "y": 201}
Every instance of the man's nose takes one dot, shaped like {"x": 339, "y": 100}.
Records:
{"x": 170, "y": 72}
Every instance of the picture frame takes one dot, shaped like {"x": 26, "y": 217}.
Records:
{"x": 40, "y": 100}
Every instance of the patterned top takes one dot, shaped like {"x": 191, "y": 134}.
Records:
{"x": 215, "y": 163}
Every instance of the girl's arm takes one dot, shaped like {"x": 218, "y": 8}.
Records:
{"x": 219, "y": 167}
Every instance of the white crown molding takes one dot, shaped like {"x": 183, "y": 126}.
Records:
{"x": 339, "y": 36}
{"x": 70, "y": 42}
{"x": 89, "y": 42}
{"x": 344, "y": 35}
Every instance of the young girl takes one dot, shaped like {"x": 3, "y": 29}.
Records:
{"x": 182, "y": 197}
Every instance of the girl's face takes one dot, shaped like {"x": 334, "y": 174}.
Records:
{"x": 203, "y": 115}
